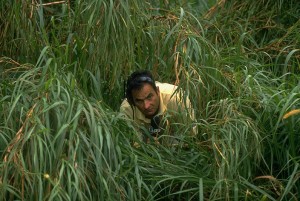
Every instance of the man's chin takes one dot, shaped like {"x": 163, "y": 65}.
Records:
{"x": 150, "y": 114}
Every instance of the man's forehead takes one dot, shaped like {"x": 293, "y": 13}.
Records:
{"x": 143, "y": 92}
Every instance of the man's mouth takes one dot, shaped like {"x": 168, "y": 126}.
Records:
{"x": 149, "y": 111}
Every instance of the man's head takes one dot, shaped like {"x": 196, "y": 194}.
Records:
{"x": 142, "y": 92}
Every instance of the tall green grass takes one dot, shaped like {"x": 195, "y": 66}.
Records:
{"x": 63, "y": 66}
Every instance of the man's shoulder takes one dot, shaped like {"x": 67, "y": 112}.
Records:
{"x": 125, "y": 105}
{"x": 166, "y": 88}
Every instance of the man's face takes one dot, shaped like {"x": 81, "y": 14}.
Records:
{"x": 147, "y": 100}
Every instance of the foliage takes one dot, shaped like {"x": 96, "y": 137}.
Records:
{"x": 62, "y": 70}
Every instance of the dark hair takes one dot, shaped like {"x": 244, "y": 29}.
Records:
{"x": 136, "y": 81}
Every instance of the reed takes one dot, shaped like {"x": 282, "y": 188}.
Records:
{"x": 62, "y": 69}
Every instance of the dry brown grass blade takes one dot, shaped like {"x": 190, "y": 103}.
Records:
{"x": 291, "y": 113}
{"x": 221, "y": 154}
{"x": 9, "y": 60}
{"x": 12, "y": 144}
{"x": 277, "y": 185}
{"x": 176, "y": 59}
{"x": 35, "y": 4}
{"x": 19, "y": 134}
{"x": 51, "y": 3}
{"x": 211, "y": 12}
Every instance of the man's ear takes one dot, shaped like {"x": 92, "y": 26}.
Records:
{"x": 157, "y": 90}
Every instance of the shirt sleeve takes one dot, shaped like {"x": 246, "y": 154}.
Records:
{"x": 126, "y": 109}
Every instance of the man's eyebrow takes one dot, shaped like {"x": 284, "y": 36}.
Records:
{"x": 149, "y": 95}
{"x": 137, "y": 99}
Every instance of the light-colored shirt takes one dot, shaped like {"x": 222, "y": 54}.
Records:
{"x": 172, "y": 104}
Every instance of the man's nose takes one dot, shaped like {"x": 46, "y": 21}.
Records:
{"x": 147, "y": 104}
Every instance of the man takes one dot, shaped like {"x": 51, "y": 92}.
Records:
{"x": 152, "y": 105}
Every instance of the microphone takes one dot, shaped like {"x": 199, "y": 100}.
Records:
{"x": 155, "y": 128}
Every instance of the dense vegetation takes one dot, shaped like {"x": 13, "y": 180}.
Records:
{"x": 62, "y": 70}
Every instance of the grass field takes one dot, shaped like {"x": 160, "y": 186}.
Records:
{"x": 62, "y": 70}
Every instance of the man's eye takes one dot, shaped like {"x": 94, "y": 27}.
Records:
{"x": 150, "y": 96}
